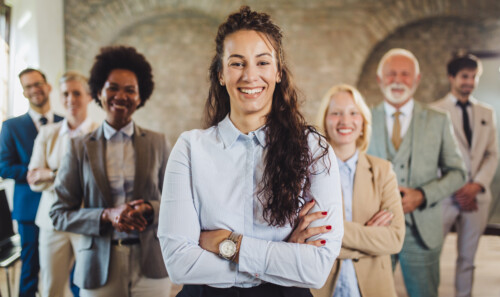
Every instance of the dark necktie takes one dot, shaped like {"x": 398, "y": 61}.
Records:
{"x": 43, "y": 120}
{"x": 465, "y": 118}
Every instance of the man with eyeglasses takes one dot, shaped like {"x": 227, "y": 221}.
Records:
{"x": 16, "y": 144}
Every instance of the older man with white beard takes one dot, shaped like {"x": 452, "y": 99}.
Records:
{"x": 420, "y": 143}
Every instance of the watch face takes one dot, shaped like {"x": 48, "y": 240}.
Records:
{"x": 227, "y": 248}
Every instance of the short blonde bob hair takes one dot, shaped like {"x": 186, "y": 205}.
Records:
{"x": 364, "y": 139}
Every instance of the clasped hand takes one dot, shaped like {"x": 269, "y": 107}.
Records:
{"x": 39, "y": 175}
{"x": 128, "y": 217}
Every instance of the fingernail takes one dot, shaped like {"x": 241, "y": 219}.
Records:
{"x": 329, "y": 227}
{"x": 323, "y": 241}
{"x": 312, "y": 201}
{"x": 324, "y": 213}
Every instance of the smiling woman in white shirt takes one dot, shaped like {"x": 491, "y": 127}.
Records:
{"x": 230, "y": 216}
{"x": 56, "y": 248}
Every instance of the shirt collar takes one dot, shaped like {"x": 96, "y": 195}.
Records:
{"x": 229, "y": 133}
{"x": 405, "y": 109}
{"x": 36, "y": 116}
{"x": 351, "y": 162}
{"x": 80, "y": 130}
{"x": 109, "y": 131}
{"x": 455, "y": 99}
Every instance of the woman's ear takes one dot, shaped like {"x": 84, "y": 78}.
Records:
{"x": 221, "y": 79}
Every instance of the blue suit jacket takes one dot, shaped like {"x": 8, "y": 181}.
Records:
{"x": 16, "y": 145}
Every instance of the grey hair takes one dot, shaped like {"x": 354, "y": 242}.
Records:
{"x": 398, "y": 52}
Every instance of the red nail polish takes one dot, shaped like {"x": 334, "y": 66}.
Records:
{"x": 312, "y": 201}
{"x": 329, "y": 227}
{"x": 324, "y": 213}
{"x": 323, "y": 241}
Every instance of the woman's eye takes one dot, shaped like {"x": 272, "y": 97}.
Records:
{"x": 237, "y": 64}
{"x": 263, "y": 63}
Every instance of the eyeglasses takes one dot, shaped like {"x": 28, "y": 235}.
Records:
{"x": 37, "y": 85}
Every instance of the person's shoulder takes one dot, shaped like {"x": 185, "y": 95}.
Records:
{"x": 379, "y": 163}
{"x": 13, "y": 122}
{"x": 482, "y": 105}
{"x": 431, "y": 110}
{"x": 200, "y": 135}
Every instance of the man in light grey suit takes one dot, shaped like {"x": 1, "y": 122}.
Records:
{"x": 419, "y": 142}
{"x": 475, "y": 127}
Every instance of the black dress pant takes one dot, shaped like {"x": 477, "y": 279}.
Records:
{"x": 264, "y": 290}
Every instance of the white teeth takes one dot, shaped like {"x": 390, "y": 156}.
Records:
{"x": 251, "y": 91}
{"x": 345, "y": 130}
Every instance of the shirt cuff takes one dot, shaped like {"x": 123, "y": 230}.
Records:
{"x": 252, "y": 257}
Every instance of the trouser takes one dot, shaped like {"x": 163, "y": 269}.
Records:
{"x": 265, "y": 290}
{"x": 28, "y": 284}
{"x": 419, "y": 264}
{"x": 125, "y": 278}
{"x": 57, "y": 259}
{"x": 470, "y": 226}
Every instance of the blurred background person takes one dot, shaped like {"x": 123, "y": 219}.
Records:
{"x": 475, "y": 128}
{"x": 420, "y": 143}
{"x": 16, "y": 146}
{"x": 373, "y": 216}
{"x": 57, "y": 248}
{"x": 109, "y": 185}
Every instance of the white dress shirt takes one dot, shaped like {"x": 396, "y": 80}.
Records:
{"x": 404, "y": 117}
{"x": 211, "y": 182}
{"x": 347, "y": 284}
{"x": 35, "y": 116}
{"x": 120, "y": 167}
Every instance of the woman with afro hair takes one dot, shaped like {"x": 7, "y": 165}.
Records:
{"x": 109, "y": 185}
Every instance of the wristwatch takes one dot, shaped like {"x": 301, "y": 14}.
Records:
{"x": 229, "y": 246}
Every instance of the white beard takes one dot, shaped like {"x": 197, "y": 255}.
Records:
{"x": 397, "y": 98}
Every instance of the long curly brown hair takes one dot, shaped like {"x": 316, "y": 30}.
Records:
{"x": 288, "y": 158}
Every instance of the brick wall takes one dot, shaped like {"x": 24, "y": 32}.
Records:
{"x": 326, "y": 42}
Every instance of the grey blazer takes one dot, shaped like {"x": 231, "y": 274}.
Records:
{"x": 435, "y": 166}
{"x": 83, "y": 192}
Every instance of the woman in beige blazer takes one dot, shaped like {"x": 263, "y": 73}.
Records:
{"x": 374, "y": 223}
{"x": 57, "y": 247}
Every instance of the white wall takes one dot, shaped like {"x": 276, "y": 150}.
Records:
{"x": 37, "y": 41}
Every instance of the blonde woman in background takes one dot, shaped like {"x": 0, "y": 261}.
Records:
{"x": 373, "y": 216}
{"x": 56, "y": 247}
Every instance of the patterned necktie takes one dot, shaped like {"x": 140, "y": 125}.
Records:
{"x": 396, "y": 131}
{"x": 465, "y": 117}
{"x": 43, "y": 120}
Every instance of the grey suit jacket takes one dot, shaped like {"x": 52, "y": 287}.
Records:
{"x": 83, "y": 192}
{"x": 435, "y": 166}
{"x": 481, "y": 159}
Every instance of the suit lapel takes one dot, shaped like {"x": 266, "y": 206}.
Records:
{"x": 141, "y": 161}
{"x": 456, "y": 120}
{"x": 379, "y": 131}
{"x": 96, "y": 148}
{"x": 478, "y": 126}
{"x": 362, "y": 189}
{"x": 419, "y": 119}
{"x": 30, "y": 129}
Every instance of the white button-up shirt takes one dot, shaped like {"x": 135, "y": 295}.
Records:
{"x": 404, "y": 117}
{"x": 211, "y": 182}
{"x": 120, "y": 166}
